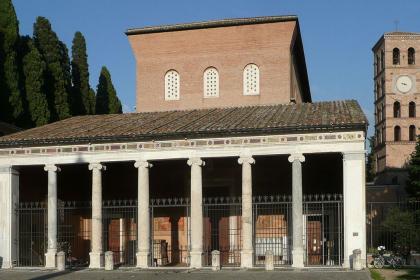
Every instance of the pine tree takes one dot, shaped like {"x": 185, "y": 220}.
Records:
{"x": 33, "y": 68}
{"x": 107, "y": 101}
{"x": 55, "y": 55}
{"x": 413, "y": 182}
{"x": 80, "y": 76}
{"x": 11, "y": 105}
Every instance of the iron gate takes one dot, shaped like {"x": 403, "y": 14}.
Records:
{"x": 222, "y": 229}
{"x": 120, "y": 230}
{"x": 272, "y": 228}
{"x": 32, "y": 236}
{"x": 170, "y": 231}
{"x": 323, "y": 229}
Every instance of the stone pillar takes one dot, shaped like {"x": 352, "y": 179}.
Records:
{"x": 143, "y": 216}
{"x": 247, "y": 232}
{"x": 9, "y": 199}
{"x": 269, "y": 260}
{"x": 96, "y": 255}
{"x": 50, "y": 256}
{"x": 196, "y": 253}
{"x": 297, "y": 210}
{"x": 354, "y": 204}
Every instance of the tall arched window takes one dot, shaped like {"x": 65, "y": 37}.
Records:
{"x": 412, "y": 109}
{"x": 211, "y": 82}
{"x": 411, "y": 56}
{"x": 251, "y": 80}
{"x": 412, "y": 133}
{"x": 397, "y": 109}
{"x": 397, "y": 133}
{"x": 382, "y": 59}
{"x": 172, "y": 81}
{"x": 395, "y": 56}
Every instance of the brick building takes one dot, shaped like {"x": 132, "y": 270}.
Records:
{"x": 226, "y": 153}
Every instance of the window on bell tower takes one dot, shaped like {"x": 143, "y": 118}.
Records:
{"x": 412, "y": 133}
{"x": 412, "y": 109}
{"x": 397, "y": 109}
{"x": 395, "y": 56}
{"x": 411, "y": 56}
{"x": 397, "y": 133}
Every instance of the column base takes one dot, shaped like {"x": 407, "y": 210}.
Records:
{"x": 51, "y": 258}
{"x": 196, "y": 259}
{"x": 143, "y": 259}
{"x": 247, "y": 258}
{"x": 297, "y": 257}
{"x": 96, "y": 260}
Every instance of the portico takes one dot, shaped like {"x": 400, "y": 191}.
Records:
{"x": 198, "y": 219}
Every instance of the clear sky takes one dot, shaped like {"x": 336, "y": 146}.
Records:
{"x": 337, "y": 35}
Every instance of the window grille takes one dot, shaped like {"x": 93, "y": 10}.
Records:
{"x": 172, "y": 81}
{"x": 211, "y": 82}
{"x": 251, "y": 80}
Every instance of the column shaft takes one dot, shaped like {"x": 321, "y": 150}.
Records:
{"x": 247, "y": 232}
{"x": 143, "y": 216}
{"x": 196, "y": 213}
{"x": 50, "y": 256}
{"x": 297, "y": 210}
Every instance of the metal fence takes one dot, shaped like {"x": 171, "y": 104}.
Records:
{"x": 170, "y": 231}
{"x": 222, "y": 229}
{"x": 323, "y": 226}
{"x": 272, "y": 228}
{"x": 376, "y": 214}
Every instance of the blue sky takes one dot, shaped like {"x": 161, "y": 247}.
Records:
{"x": 337, "y": 35}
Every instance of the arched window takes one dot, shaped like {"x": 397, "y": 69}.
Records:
{"x": 382, "y": 59}
{"x": 172, "y": 81}
{"x": 211, "y": 82}
{"x": 397, "y": 109}
{"x": 411, "y": 56}
{"x": 412, "y": 133}
{"x": 412, "y": 109}
{"x": 377, "y": 64}
{"x": 251, "y": 80}
{"x": 397, "y": 133}
{"x": 395, "y": 56}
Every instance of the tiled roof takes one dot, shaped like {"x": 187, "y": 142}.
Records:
{"x": 210, "y": 24}
{"x": 200, "y": 123}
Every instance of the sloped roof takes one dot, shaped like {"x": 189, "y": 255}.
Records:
{"x": 210, "y": 24}
{"x": 199, "y": 123}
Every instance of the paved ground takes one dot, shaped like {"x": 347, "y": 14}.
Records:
{"x": 181, "y": 275}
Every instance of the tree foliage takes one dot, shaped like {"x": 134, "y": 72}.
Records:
{"x": 81, "y": 93}
{"x": 370, "y": 168}
{"x": 413, "y": 182}
{"x": 107, "y": 101}
{"x": 11, "y": 105}
{"x": 33, "y": 68}
{"x": 55, "y": 55}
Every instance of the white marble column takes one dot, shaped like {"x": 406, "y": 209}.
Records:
{"x": 297, "y": 210}
{"x": 9, "y": 199}
{"x": 247, "y": 232}
{"x": 196, "y": 253}
{"x": 50, "y": 255}
{"x": 143, "y": 216}
{"x": 96, "y": 255}
{"x": 354, "y": 204}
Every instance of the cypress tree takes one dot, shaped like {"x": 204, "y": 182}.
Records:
{"x": 11, "y": 105}
{"x": 92, "y": 101}
{"x": 33, "y": 68}
{"x": 80, "y": 96}
{"x": 55, "y": 55}
{"x": 107, "y": 101}
{"x": 413, "y": 182}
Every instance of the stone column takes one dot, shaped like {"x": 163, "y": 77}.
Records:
{"x": 354, "y": 206}
{"x": 143, "y": 216}
{"x": 196, "y": 253}
{"x": 247, "y": 232}
{"x": 96, "y": 255}
{"x": 50, "y": 256}
{"x": 297, "y": 210}
{"x": 9, "y": 199}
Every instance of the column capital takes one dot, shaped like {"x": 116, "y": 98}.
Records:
{"x": 196, "y": 161}
{"x": 295, "y": 157}
{"x": 246, "y": 159}
{"x": 97, "y": 166}
{"x": 359, "y": 155}
{"x": 52, "y": 167}
{"x": 142, "y": 164}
